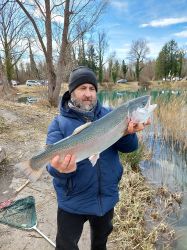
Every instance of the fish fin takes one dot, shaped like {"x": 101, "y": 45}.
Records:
{"x": 80, "y": 128}
{"x": 152, "y": 107}
{"x": 28, "y": 171}
{"x": 47, "y": 146}
{"x": 148, "y": 103}
{"x": 93, "y": 159}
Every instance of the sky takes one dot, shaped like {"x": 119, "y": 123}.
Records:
{"x": 157, "y": 21}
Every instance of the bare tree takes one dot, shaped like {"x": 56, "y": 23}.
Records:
{"x": 101, "y": 49}
{"x": 48, "y": 12}
{"x": 4, "y": 87}
{"x": 33, "y": 66}
{"x": 149, "y": 70}
{"x": 137, "y": 55}
{"x": 3, "y": 4}
{"x": 12, "y": 41}
{"x": 80, "y": 44}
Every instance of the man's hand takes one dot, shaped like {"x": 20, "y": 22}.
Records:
{"x": 136, "y": 127}
{"x": 67, "y": 165}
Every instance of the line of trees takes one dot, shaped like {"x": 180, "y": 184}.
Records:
{"x": 54, "y": 37}
{"x": 170, "y": 61}
{"x": 64, "y": 22}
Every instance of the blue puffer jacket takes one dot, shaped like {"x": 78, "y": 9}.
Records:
{"x": 88, "y": 190}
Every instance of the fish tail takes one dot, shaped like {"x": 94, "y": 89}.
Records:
{"x": 32, "y": 174}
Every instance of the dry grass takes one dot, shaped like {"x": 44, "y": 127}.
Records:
{"x": 3, "y": 126}
{"x": 171, "y": 113}
{"x": 140, "y": 216}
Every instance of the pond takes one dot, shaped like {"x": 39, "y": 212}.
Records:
{"x": 27, "y": 99}
{"x": 168, "y": 165}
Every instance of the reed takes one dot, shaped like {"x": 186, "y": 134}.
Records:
{"x": 171, "y": 119}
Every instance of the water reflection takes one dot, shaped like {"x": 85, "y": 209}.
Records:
{"x": 27, "y": 99}
{"x": 115, "y": 98}
{"x": 168, "y": 165}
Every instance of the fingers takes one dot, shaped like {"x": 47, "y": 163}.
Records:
{"x": 136, "y": 127}
{"x": 67, "y": 165}
{"x": 71, "y": 166}
{"x": 148, "y": 122}
{"x": 130, "y": 128}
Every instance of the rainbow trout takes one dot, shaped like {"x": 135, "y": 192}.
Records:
{"x": 90, "y": 139}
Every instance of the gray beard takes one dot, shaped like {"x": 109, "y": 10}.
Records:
{"x": 81, "y": 106}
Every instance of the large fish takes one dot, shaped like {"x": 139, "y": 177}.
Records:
{"x": 90, "y": 139}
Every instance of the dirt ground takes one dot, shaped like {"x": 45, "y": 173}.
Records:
{"x": 22, "y": 133}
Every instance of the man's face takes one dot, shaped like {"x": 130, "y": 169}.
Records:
{"x": 84, "y": 96}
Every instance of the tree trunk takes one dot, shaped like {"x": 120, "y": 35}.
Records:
{"x": 53, "y": 93}
{"x": 137, "y": 70}
{"x": 6, "y": 89}
{"x": 63, "y": 51}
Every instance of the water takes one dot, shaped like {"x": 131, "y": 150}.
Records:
{"x": 168, "y": 165}
{"x": 27, "y": 99}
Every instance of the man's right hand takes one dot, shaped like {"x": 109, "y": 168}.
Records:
{"x": 67, "y": 165}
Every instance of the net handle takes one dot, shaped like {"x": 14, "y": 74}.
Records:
{"x": 44, "y": 236}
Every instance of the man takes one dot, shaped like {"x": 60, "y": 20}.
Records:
{"x": 85, "y": 192}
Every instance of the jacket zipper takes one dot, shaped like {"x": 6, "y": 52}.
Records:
{"x": 99, "y": 186}
{"x": 99, "y": 180}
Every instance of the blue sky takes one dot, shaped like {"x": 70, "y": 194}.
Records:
{"x": 157, "y": 21}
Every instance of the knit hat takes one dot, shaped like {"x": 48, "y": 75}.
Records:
{"x": 81, "y": 75}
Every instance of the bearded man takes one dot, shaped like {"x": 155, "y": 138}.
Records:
{"x": 85, "y": 193}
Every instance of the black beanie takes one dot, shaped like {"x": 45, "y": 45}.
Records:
{"x": 81, "y": 75}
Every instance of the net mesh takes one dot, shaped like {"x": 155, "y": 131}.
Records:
{"x": 20, "y": 214}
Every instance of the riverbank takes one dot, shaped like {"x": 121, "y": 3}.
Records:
{"x": 23, "y": 130}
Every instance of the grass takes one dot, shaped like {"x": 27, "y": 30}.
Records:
{"x": 140, "y": 216}
{"x": 140, "y": 220}
{"x": 171, "y": 114}
{"x": 3, "y": 126}
{"x": 133, "y": 159}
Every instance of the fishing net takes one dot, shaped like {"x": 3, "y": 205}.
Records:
{"x": 20, "y": 214}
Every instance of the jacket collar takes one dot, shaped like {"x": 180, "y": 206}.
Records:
{"x": 65, "y": 110}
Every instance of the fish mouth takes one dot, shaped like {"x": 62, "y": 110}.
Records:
{"x": 140, "y": 102}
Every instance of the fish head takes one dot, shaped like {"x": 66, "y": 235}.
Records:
{"x": 140, "y": 102}
{"x": 142, "y": 109}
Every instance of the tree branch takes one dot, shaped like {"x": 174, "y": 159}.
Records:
{"x": 34, "y": 25}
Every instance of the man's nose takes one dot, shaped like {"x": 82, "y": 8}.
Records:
{"x": 87, "y": 92}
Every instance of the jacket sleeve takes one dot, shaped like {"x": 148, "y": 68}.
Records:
{"x": 127, "y": 143}
{"x": 54, "y": 135}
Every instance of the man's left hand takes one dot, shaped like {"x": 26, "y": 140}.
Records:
{"x": 136, "y": 127}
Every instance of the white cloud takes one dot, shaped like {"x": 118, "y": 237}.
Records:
{"x": 119, "y": 5}
{"x": 165, "y": 22}
{"x": 57, "y": 18}
{"x": 181, "y": 34}
{"x": 121, "y": 52}
{"x": 155, "y": 48}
